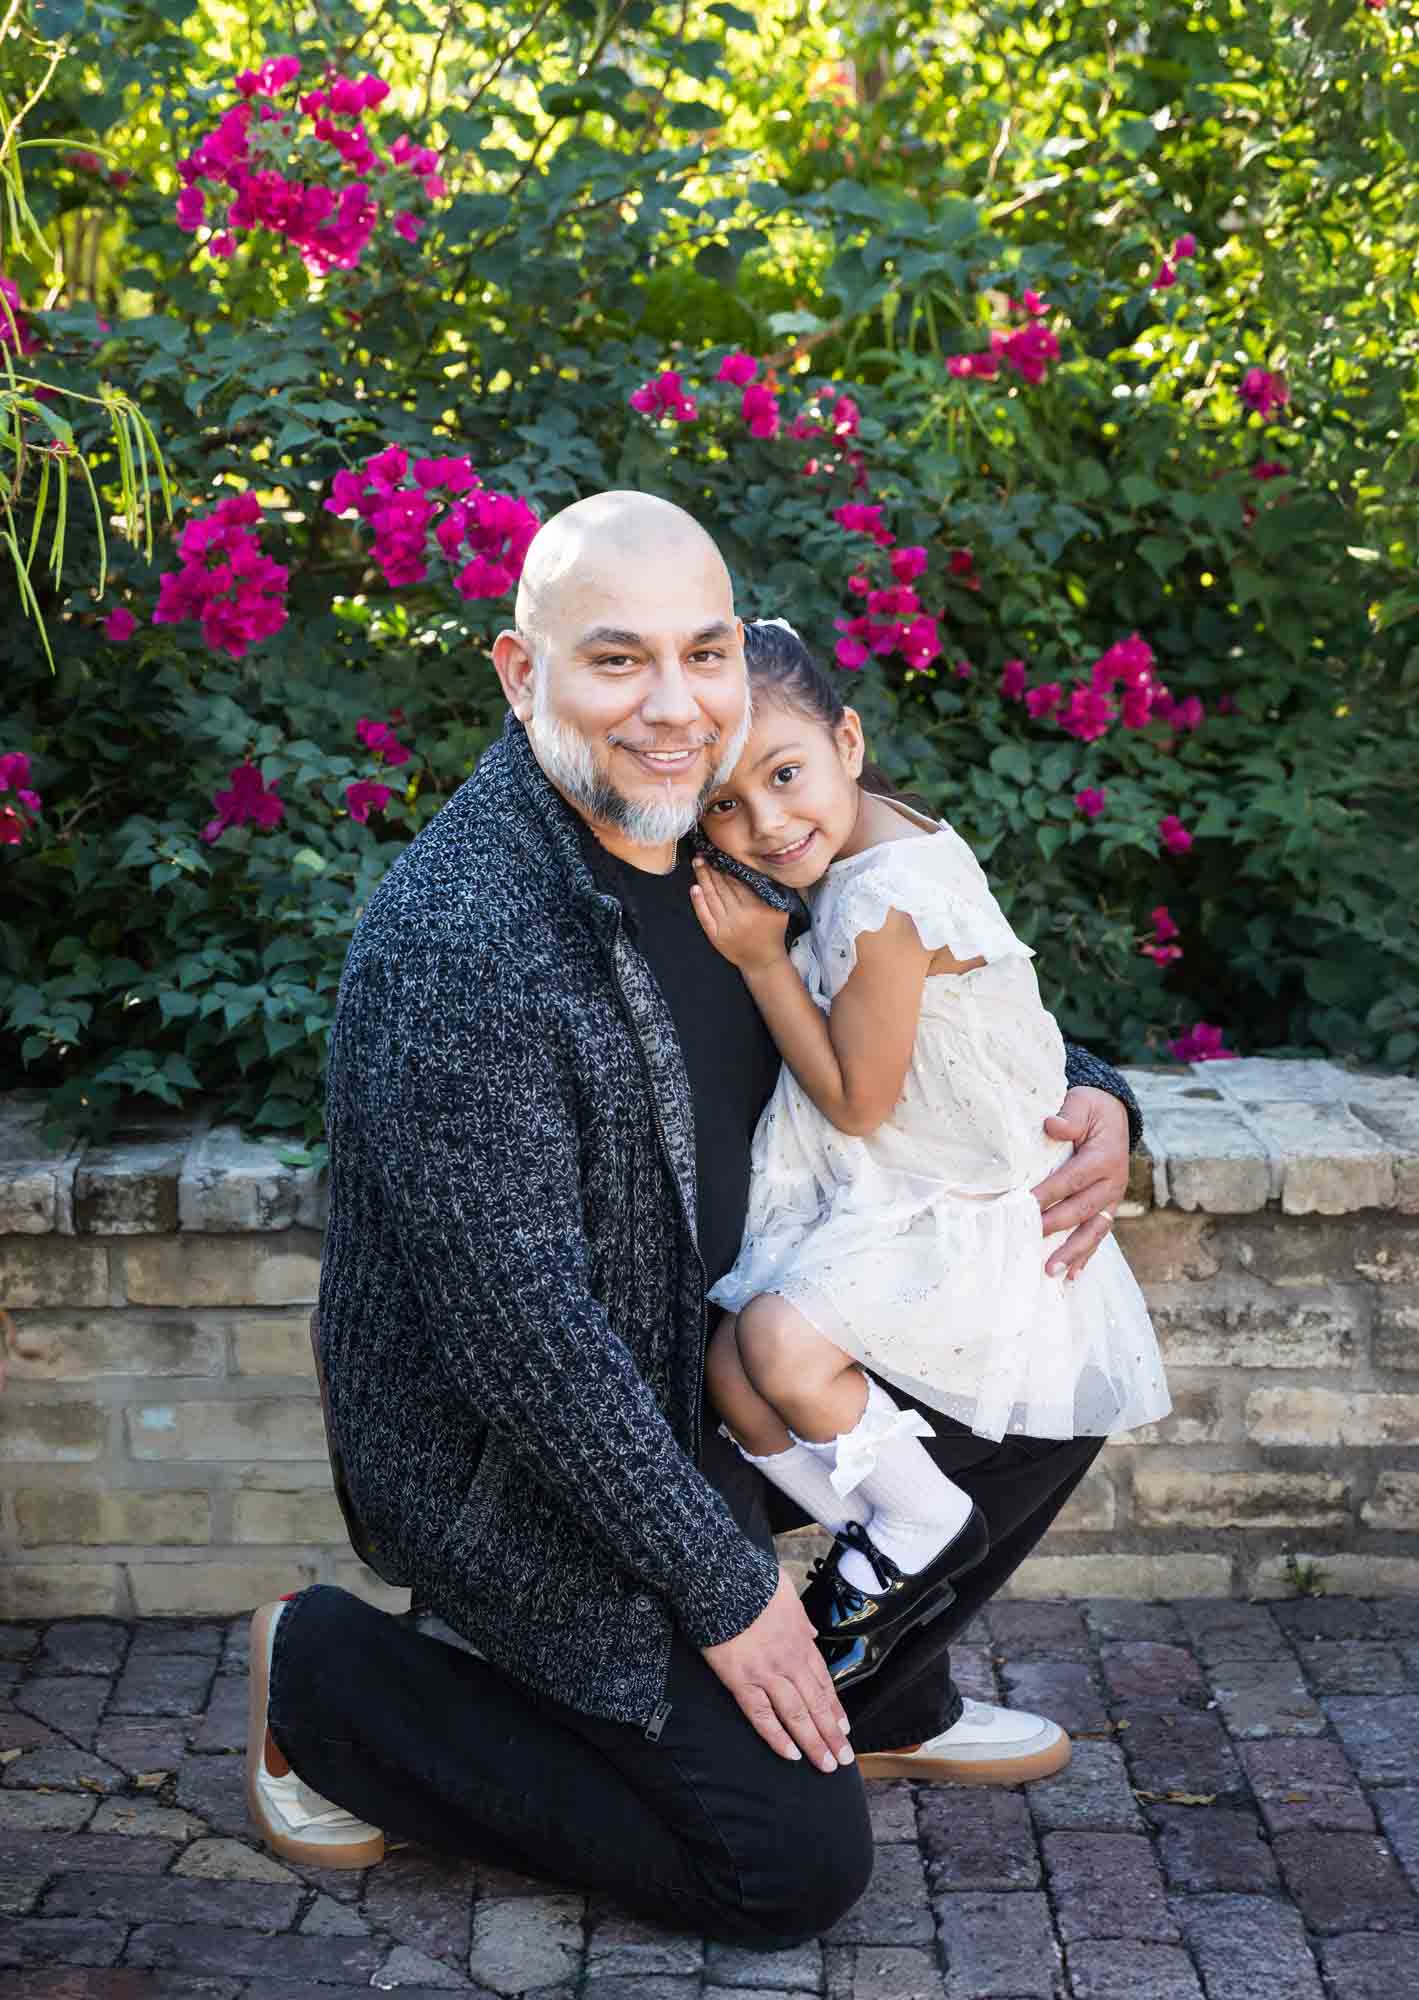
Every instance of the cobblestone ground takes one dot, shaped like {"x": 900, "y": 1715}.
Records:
{"x": 1240, "y": 1822}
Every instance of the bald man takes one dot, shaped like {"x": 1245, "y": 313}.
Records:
{"x": 543, "y": 1087}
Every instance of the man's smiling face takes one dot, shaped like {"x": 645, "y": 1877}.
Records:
{"x": 631, "y": 677}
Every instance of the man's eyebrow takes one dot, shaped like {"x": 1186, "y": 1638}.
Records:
{"x": 613, "y": 635}
{"x": 607, "y": 635}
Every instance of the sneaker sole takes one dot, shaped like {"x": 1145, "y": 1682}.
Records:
{"x": 314, "y": 1853}
{"x": 967, "y": 1771}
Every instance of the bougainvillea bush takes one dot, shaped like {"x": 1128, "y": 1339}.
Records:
{"x": 1052, "y": 373}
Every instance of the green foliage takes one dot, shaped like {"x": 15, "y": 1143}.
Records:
{"x": 635, "y": 187}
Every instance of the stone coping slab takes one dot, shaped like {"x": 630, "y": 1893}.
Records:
{"x": 1220, "y": 1138}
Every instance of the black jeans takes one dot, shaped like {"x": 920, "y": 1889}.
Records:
{"x": 705, "y": 1830}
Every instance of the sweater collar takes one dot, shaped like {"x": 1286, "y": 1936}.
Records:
{"x": 572, "y": 848}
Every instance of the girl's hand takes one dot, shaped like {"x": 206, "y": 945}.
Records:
{"x": 741, "y": 926}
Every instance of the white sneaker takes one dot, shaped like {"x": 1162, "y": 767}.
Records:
{"x": 986, "y": 1746}
{"x": 293, "y": 1820}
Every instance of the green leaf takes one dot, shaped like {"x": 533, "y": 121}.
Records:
{"x": 1138, "y": 490}
{"x": 1011, "y": 760}
{"x": 1162, "y": 554}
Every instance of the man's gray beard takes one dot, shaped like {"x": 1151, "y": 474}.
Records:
{"x": 569, "y": 761}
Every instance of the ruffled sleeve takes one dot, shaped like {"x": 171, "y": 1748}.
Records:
{"x": 936, "y": 881}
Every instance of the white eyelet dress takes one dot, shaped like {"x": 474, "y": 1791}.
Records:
{"x": 919, "y": 1249}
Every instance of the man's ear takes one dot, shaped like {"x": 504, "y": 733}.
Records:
{"x": 852, "y": 744}
{"x": 515, "y": 668}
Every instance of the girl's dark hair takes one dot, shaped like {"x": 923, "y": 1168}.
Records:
{"x": 781, "y": 666}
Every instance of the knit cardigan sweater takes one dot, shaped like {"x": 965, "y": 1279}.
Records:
{"x": 511, "y": 1302}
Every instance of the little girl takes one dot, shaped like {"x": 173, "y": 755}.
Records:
{"x": 891, "y": 1225}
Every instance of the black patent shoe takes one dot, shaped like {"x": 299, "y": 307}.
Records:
{"x": 858, "y": 1628}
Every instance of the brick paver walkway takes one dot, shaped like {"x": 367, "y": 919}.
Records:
{"x": 1240, "y": 1822}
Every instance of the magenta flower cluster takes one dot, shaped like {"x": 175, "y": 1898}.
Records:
{"x": 437, "y": 508}
{"x": 664, "y": 396}
{"x": 1025, "y": 350}
{"x": 1162, "y": 947}
{"x": 1167, "y": 276}
{"x": 1264, "y": 391}
{"x": 249, "y": 798}
{"x": 1121, "y": 689}
{"x": 15, "y": 329}
{"x": 306, "y": 170}
{"x": 226, "y": 584}
{"x": 17, "y": 820}
{"x": 1202, "y": 1043}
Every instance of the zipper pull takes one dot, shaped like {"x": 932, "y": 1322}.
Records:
{"x": 657, "y": 1722}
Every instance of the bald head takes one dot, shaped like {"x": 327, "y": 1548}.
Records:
{"x": 585, "y": 549}
{"x": 626, "y": 666}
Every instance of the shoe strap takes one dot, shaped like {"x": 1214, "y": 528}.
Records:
{"x": 854, "y": 1536}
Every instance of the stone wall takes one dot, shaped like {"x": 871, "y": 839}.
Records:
{"x": 161, "y": 1447}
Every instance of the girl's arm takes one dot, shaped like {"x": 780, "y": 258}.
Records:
{"x": 853, "y": 1062}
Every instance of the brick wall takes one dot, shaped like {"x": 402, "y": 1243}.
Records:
{"x": 161, "y": 1448}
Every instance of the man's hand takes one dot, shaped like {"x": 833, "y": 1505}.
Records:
{"x": 778, "y": 1677}
{"x": 741, "y": 926}
{"x": 1083, "y": 1194}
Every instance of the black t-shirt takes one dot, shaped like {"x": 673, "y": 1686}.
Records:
{"x": 729, "y": 1053}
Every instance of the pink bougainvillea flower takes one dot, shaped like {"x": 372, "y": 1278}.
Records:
{"x": 847, "y": 418}
{"x": 664, "y": 396}
{"x": 408, "y": 225}
{"x": 380, "y": 737}
{"x": 1173, "y": 834}
{"x": 223, "y": 244}
{"x": 120, "y": 623}
{"x": 985, "y": 366}
{"x": 1186, "y": 246}
{"x": 738, "y": 368}
{"x": 1226, "y": 704}
{"x": 1202, "y": 1043}
{"x": 226, "y": 584}
{"x": 484, "y": 535}
{"x": 1041, "y": 702}
{"x": 1012, "y": 681}
{"x": 908, "y": 562}
{"x": 1025, "y": 351}
{"x": 860, "y": 519}
{"x": 964, "y": 671}
{"x": 759, "y": 408}
{"x": 1161, "y": 954}
{"x": 920, "y": 643}
{"x": 249, "y": 798}
{"x": 1033, "y": 303}
{"x": 1270, "y": 468}
{"x": 366, "y": 796}
{"x": 191, "y": 204}
{"x": 1091, "y": 801}
{"x": 859, "y": 583}
{"x": 1163, "y": 924}
{"x": 83, "y": 162}
{"x": 960, "y": 365}
{"x": 851, "y": 653}
{"x": 15, "y": 776}
{"x": 1263, "y": 391}
{"x": 1167, "y": 275}
{"x": 1087, "y": 714}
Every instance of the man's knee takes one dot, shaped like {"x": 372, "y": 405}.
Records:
{"x": 818, "y": 1866}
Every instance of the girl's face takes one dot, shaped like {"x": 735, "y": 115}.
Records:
{"x": 791, "y": 804}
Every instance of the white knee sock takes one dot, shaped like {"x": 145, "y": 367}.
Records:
{"x": 915, "y": 1509}
{"x": 805, "y": 1477}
